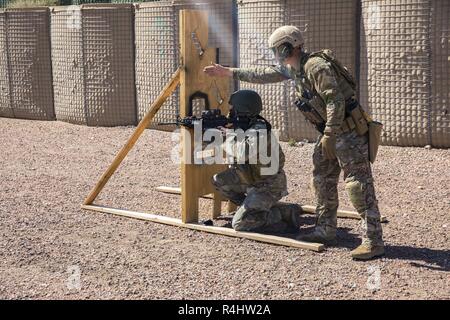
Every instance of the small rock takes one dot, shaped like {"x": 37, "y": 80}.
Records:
{"x": 420, "y": 187}
{"x": 428, "y": 147}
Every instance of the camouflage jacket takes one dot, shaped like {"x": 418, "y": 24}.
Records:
{"x": 255, "y": 162}
{"x": 314, "y": 77}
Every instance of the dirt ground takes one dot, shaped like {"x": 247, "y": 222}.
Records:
{"x": 50, "y": 248}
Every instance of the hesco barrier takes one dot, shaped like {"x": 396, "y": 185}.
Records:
{"x": 440, "y": 62}
{"x": 401, "y": 54}
{"x": 253, "y": 52}
{"x": 5, "y": 98}
{"x": 26, "y": 76}
{"x": 93, "y": 64}
{"x": 157, "y": 49}
{"x": 325, "y": 24}
{"x": 395, "y": 68}
{"x": 156, "y": 58}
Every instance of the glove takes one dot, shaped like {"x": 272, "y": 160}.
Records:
{"x": 328, "y": 142}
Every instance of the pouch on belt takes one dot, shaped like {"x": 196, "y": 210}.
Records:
{"x": 375, "y": 129}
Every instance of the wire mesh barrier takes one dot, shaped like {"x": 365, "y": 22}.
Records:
{"x": 5, "y": 99}
{"x": 440, "y": 62}
{"x": 26, "y": 78}
{"x": 93, "y": 64}
{"x": 104, "y": 64}
{"x": 395, "y": 68}
{"x": 254, "y": 52}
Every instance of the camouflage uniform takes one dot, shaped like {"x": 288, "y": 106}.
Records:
{"x": 329, "y": 93}
{"x": 257, "y": 195}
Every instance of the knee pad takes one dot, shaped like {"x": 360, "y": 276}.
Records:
{"x": 356, "y": 192}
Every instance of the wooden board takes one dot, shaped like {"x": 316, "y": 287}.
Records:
{"x": 305, "y": 208}
{"x": 211, "y": 229}
{"x": 196, "y": 178}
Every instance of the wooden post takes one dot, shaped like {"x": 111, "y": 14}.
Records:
{"x": 196, "y": 178}
{"x": 167, "y": 91}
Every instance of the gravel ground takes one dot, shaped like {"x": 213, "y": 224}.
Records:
{"x": 47, "y": 168}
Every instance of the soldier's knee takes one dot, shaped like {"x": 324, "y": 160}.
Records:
{"x": 355, "y": 190}
{"x": 248, "y": 220}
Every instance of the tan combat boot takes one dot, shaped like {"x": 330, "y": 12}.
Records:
{"x": 321, "y": 234}
{"x": 367, "y": 251}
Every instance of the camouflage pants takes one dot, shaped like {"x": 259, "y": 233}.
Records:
{"x": 352, "y": 158}
{"x": 259, "y": 209}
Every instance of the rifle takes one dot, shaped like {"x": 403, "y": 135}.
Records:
{"x": 211, "y": 119}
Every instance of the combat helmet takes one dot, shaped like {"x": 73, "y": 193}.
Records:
{"x": 284, "y": 40}
{"x": 246, "y": 103}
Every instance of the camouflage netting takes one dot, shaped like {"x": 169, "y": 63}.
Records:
{"x": 325, "y": 24}
{"x": 93, "y": 64}
{"x": 25, "y": 66}
{"x": 157, "y": 49}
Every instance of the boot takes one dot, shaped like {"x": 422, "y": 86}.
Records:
{"x": 321, "y": 234}
{"x": 290, "y": 213}
{"x": 368, "y": 250}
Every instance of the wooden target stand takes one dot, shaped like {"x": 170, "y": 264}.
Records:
{"x": 195, "y": 178}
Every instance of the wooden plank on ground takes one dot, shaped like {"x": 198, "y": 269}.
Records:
{"x": 306, "y": 208}
{"x": 211, "y": 229}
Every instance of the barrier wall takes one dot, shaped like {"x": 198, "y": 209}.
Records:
{"x": 253, "y": 52}
{"x": 401, "y": 53}
{"x": 440, "y": 62}
{"x": 93, "y": 64}
{"x": 5, "y": 99}
{"x": 395, "y": 68}
{"x": 26, "y": 76}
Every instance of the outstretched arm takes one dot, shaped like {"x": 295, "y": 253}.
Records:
{"x": 254, "y": 75}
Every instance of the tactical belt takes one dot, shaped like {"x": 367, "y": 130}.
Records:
{"x": 347, "y": 125}
{"x": 353, "y": 112}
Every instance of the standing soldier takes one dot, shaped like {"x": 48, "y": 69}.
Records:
{"x": 326, "y": 96}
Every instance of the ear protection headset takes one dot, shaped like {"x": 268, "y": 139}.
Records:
{"x": 284, "y": 50}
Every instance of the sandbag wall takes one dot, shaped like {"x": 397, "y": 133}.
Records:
{"x": 405, "y": 71}
{"x": 157, "y": 48}
{"x": 25, "y": 67}
{"x": 325, "y": 24}
{"x": 93, "y": 64}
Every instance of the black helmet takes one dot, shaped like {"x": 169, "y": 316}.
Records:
{"x": 246, "y": 103}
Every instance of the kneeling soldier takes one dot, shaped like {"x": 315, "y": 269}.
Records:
{"x": 256, "y": 191}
